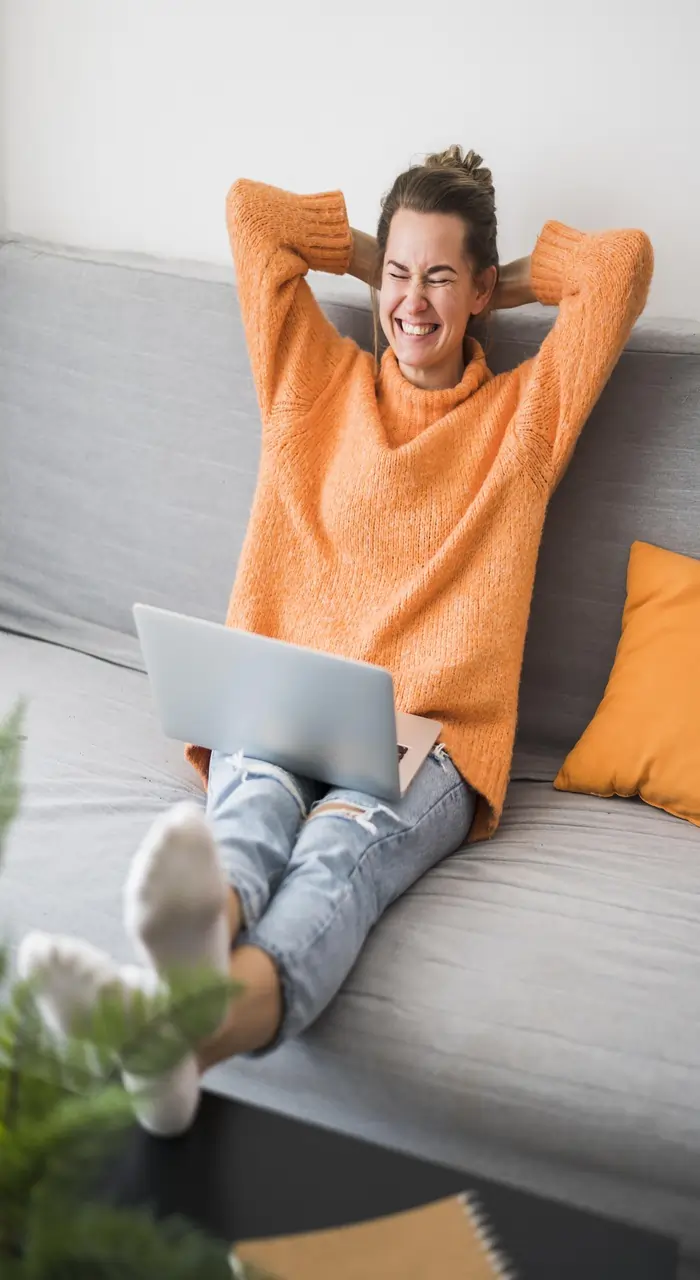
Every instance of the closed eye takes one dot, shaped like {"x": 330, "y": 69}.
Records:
{"x": 394, "y": 276}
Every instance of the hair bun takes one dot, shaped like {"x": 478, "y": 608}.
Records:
{"x": 455, "y": 158}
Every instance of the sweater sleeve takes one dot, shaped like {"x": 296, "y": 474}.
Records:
{"x": 276, "y": 237}
{"x": 600, "y": 284}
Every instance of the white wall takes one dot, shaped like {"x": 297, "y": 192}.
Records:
{"x": 3, "y": 165}
{"x": 127, "y": 120}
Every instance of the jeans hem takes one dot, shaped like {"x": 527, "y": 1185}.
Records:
{"x": 249, "y": 915}
{"x": 282, "y": 1033}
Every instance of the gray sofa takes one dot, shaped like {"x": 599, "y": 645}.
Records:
{"x": 530, "y": 1010}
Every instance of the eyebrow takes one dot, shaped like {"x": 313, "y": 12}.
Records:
{"x": 442, "y": 266}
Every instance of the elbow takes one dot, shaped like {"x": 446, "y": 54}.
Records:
{"x": 644, "y": 270}
{"x": 638, "y": 268}
{"x": 643, "y": 257}
{"x": 243, "y": 220}
{"x": 236, "y": 198}
{"x": 625, "y": 266}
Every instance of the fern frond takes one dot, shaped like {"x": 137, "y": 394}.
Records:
{"x": 10, "y": 755}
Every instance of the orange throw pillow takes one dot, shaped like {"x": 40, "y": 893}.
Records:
{"x": 644, "y": 739}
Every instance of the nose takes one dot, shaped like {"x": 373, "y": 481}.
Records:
{"x": 415, "y": 301}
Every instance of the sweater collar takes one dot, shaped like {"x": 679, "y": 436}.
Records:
{"x": 406, "y": 410}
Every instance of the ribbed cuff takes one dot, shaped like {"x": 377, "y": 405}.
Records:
{"x": 263, "y": 218}
{"x": 325, "y": 240}
{"x": 552, "y": 262}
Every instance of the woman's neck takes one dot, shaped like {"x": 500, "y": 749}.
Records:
{"x": 437, "y": 377}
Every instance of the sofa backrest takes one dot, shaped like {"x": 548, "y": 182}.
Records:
{"x": 635, "y": 475}
{"x": 129, "y": 444}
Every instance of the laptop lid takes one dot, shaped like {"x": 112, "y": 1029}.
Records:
{"x": 312, "y": 713}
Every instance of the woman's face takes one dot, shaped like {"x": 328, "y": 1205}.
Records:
{"x": 428, "y": 292}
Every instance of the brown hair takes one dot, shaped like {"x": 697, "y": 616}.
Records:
{"x": 446, "y": 182}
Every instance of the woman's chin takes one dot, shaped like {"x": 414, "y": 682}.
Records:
{"x": 412, "y": 357}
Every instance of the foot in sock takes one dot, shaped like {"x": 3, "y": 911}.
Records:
{"x": 69, "y": 976}
{"x": 166, "y": 1104}
{"x": 176, "y": 900}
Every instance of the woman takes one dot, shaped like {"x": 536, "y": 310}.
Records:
{"x": 397, "y": 520}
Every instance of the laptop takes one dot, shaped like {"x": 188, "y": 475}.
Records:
{"x": 314, "y": 714}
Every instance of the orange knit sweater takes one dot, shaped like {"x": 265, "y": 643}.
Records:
{"x": 401, "y": 526}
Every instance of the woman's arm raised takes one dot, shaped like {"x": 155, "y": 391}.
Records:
{"x": 514, "y": 288}
{"x": 600, "y": 284}
{"x": 276, "y": 238}
{"x": 363, "y": 263}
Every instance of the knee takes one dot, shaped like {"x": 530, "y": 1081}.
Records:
{"x": 365, "y": 814}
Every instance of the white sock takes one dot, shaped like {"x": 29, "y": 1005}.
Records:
{"x": 176, "y": 894}
{"x": 69, "y": 976}
{"x": 166, "y": 1104}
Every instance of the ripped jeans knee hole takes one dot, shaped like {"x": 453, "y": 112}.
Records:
{"x": 349, "y": 811}
{"x": 248, "y": 767}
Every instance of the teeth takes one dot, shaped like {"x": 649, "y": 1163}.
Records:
{"x": 417, "y": 329}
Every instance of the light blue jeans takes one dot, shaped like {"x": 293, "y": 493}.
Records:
{"x": 315, "y": 867}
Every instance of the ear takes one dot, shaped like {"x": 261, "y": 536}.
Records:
{"x": 485, "y": 285}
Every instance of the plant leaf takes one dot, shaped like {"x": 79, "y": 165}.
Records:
{"x": 151, "y": 1034}
{"x": 101, "y": 1241}
{"x": 10, "y": 753}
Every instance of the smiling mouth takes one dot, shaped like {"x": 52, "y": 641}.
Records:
{"x": 416, "y": 330}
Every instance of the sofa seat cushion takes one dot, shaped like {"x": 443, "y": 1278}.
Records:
{"x": 528, "y": 1010}
{"x": 542, "y": 989}
{"x": 96, "y": 771}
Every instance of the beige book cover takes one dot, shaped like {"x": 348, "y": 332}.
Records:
{"x": 448, "y": 1239}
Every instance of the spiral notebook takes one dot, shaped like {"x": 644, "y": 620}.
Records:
{"x": 449, "y": 1239}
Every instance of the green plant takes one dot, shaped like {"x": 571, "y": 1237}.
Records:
{"x": 62, "y": 1106}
